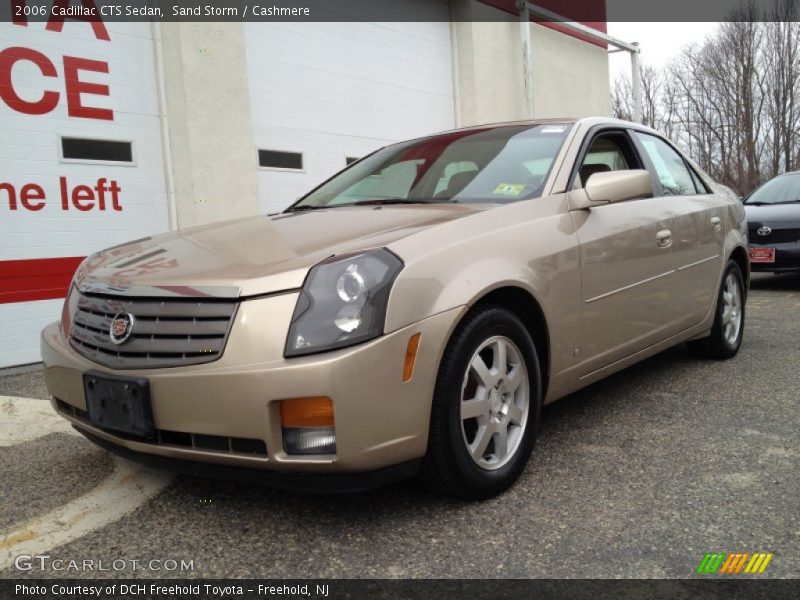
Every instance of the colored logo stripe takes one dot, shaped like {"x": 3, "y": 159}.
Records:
{"x": 711, "y": 562}
{"x": 758, "y": 563}
{"x": 733, "y": 563}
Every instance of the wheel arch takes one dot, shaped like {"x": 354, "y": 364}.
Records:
{"x": 525, "y": 305}
{"x": 739, "y": 256}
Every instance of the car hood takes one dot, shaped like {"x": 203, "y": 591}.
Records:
{"x": 772, "y": 214}
{"x": 256, "y": 255}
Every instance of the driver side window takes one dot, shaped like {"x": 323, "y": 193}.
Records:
{"x": 607, "y": 152}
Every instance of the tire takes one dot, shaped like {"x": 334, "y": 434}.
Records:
{"x": 508, "y": 399}
{"x": 723, "y": 343}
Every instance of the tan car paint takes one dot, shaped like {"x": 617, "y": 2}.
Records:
{"x": 609, "y": 292}
{"x": 261, "y": 254}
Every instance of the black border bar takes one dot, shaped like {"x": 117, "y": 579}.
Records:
{"x": 423, "y": 589}
{"x": 304, "y": 11}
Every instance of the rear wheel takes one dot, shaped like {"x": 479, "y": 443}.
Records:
{"x": 726, "y": 334}
{"x": 486, "y": 406}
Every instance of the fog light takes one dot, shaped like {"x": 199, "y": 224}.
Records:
{"x": 309, "y": 441}
{"x": 308, "y": 426}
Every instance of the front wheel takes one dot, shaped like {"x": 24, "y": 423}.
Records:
{"x": 726, "y": 334}
{"x": 486, "y": 406}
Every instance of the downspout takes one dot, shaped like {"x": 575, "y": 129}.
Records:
{"x": 454, "y": 68}
{"x": 636, "y": 84}
{"x": 527, "y": 57}
{"x": 526, "y": 8}
{"x": 166, "y": 143}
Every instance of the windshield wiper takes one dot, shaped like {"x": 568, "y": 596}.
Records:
{"x": 368, "y": 202}
{"x": 304, "y": 207}
{"x": 795, "y": 201}
{"x": 381, "y": 201}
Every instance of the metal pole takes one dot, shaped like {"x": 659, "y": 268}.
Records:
{"x": 527, "y": 57}
{"x": 636, "y": 85}
{"x": 527, "y": 8}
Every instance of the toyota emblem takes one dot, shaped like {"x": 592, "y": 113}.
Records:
{"x": 764, "y": 231}
{"x": 121, "y": 328}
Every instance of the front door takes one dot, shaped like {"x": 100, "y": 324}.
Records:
{"x": 627, "y": 262}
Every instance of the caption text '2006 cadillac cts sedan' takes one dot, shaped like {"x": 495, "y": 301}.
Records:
{"x": 414, "y": 312}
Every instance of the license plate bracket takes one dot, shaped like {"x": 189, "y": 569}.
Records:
{"x": 762, "y": 255}
{"x": 119, "y": 403}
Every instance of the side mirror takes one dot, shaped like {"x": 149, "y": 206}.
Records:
{"x": 612, "y": 186}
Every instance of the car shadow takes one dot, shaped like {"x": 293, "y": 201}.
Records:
{"x": 789, "y": 282}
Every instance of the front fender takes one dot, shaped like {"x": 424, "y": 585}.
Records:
{"x": 514, "y": 246}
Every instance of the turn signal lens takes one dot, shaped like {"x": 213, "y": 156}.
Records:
{"x": 411, "y": 356}
{"x": 307, "y": 412}
{"x": 308, "y": 426}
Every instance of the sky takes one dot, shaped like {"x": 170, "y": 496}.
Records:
{"x": 659, "y": 42}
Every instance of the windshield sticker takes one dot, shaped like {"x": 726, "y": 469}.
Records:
{"x": 553, "y": 129}
{"x": 509, "y": 189}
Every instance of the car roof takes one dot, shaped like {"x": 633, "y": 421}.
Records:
{"x": 584, "y": 121}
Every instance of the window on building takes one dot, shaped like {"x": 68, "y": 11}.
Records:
{"x": 278, "y": 159}
{"x": 101, "y": 150}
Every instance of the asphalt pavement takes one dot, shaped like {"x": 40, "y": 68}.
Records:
{"x": 637, "y": 476}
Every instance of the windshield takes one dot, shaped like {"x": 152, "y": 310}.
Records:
{"x": 489, "y": 164}
{"x": 781, "y": 190}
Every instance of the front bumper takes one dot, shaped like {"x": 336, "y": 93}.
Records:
{"x": 787, "y": 258}
{"x": 380, "y": 421}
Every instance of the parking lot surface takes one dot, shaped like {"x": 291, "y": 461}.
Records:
{"x": 637, "y": 476}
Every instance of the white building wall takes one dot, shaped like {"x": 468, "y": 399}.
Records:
{"x": 29, "y": 153}
{"x": 336, "y": 90}
{"x": 570, "y": 76}
{"x": 207, "y": 103}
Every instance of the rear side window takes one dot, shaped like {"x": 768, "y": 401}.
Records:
{"x": 675, "y": 177}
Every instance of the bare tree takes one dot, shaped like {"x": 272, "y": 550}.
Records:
{"x": 622, "y": 97}
{"x": 733, "y": 100}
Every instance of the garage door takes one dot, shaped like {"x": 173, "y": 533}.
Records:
{"x": 80, "y": 161}
{"x": 325, "y": 93}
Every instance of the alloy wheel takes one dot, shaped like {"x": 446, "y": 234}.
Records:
{"x": 495, "y": 402}
{"x": 731, "y": 309}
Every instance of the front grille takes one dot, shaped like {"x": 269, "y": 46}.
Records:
{"x": 168, "y": 332}
{"x": 778, "y": 236}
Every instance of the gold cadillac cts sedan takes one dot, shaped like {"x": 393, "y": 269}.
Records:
{"x": 412, "y": 313}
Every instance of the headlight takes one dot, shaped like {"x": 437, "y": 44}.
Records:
{"x": 343, "y": 302}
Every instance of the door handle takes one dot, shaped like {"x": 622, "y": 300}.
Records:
{"x": 664, "y": 238}
{"x": 716, "y": 224}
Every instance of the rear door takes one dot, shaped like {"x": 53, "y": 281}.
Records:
{"x": 699, "y": 227}
{"x": 627, "y": 262}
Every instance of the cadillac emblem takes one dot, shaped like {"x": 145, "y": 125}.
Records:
{"x": 764, "y": 231}
{"x": 121, "y": 328}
